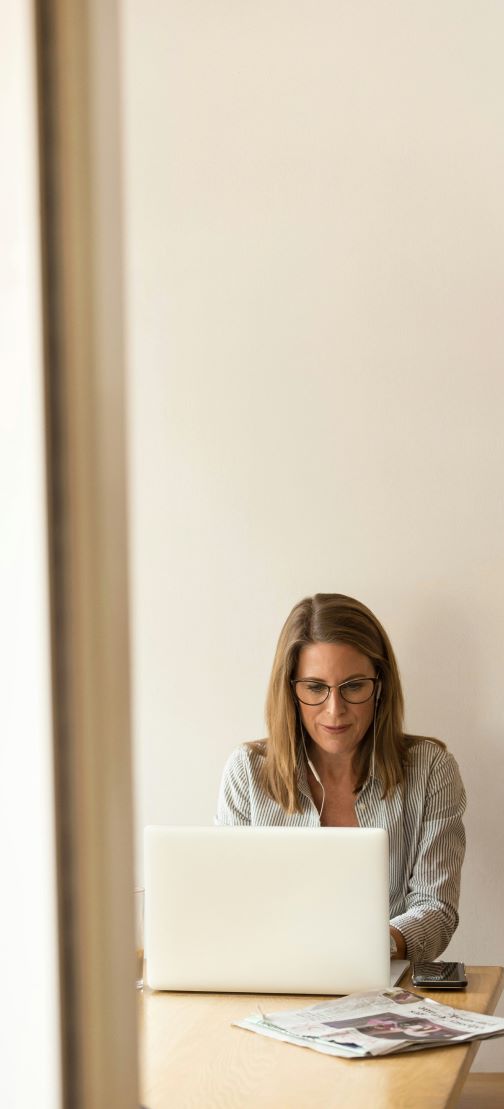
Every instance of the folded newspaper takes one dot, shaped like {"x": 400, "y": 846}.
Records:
{"x": 379, "y": 1022}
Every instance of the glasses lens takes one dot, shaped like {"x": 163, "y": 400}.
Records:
{"x": 358, "y": 690}
{"x": 311, "y": 693}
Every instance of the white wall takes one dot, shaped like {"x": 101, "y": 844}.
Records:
{"x": 30, "y": 1025}
{"x": 315, "y": 282}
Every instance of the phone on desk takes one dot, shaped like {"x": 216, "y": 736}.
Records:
{"x": 439, "y": 976}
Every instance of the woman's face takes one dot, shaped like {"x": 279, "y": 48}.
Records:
{"x": 335, "y": 726}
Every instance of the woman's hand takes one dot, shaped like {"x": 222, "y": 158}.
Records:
{"x": 400, "y": 942}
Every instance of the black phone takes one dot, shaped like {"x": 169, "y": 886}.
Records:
{"x": 439, "y": 976}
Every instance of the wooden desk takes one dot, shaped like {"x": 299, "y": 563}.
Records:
{"x": 191, "y": 1057}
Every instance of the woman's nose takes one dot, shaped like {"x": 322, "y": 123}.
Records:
{"x": 335, "y": 702}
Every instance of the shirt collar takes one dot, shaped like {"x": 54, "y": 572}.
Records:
{"x": 302, "y": 774}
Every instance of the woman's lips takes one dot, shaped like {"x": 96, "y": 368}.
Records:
{"x": 341, "y": 728}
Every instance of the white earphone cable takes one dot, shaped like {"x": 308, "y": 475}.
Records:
{"x": 375, "y": 713}
{"x": 374, "y": 743}
{"x": 310, "y": 764}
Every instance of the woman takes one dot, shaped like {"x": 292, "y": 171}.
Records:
{"x": 336, "y": 755}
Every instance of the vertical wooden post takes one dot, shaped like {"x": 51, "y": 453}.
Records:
{"x": 78, "y": 83}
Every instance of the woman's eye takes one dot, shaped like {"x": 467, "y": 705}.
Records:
{"x": 354, "y": 687}
{"x": 315, "y": 687}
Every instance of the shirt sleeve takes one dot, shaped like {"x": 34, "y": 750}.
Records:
{"x": 431, "y": 910}
{"x": 233, "y": 805}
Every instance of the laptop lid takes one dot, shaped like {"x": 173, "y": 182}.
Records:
{"x": 267, "y": 910}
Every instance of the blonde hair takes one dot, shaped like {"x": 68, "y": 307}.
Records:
{"x": 331, "y": 618}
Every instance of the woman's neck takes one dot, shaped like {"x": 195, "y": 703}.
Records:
{"x": 336, "y": 770}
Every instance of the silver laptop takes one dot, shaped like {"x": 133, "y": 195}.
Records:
{"x": 267, "y": 910}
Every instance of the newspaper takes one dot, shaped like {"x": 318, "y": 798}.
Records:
{"x": 379, "y": 1022}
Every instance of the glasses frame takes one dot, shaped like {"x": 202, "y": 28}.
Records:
{"x": 341, "y": 685}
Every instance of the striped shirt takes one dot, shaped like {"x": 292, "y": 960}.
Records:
{"x": 424, "y": 824}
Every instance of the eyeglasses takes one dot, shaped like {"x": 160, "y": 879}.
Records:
{"x": 355, "y": 691}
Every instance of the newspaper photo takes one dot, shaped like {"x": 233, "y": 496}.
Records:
{"x": 379, "y": 1022}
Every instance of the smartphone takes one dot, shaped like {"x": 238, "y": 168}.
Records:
{"x": 439, "y": 976}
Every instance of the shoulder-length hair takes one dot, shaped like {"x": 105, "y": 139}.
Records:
{"x": 331, "y": 618}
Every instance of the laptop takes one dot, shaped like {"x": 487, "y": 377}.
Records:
{"x": 267, "y": 910}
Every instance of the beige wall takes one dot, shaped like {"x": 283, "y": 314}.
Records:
{"x": 315, "y": 282}
{"x": 30, "y": 1020}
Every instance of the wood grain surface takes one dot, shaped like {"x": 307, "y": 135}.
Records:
{"x": 193, "y": 1058}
